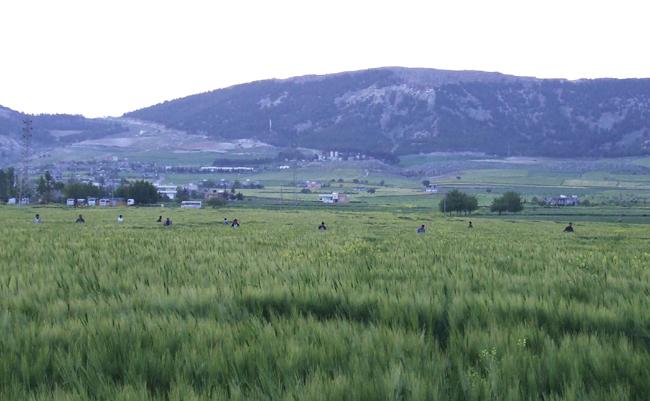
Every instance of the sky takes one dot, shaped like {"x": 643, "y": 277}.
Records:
{"x": 104, "y": 58}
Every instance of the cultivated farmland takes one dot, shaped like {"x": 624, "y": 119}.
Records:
{"x": 276, "y": 310}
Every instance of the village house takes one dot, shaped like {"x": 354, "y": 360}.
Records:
{"x": 562, "y": 200}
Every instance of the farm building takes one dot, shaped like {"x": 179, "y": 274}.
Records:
{"x": 226, "y": 169}
{"x": 311, "y": 185}
{"x": 334, "y": 197}
{"x": 191, "y": 204}
{"x": 118, "y": 202}
{"x": 562, "y": 200}
{"x": 167, "y": 190}
{"x": 214, "y": 193}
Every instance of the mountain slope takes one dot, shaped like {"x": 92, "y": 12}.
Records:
{"x": 400, "y": 110}
{"x": 49, "y": 131}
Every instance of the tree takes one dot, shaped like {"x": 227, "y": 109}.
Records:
{"x": 143, "y": 192}
{"x": 47, "y": 186}
{"x": 239, "y": 196}
{"x": 508, "y": 202}
{"x": 291, "y": 154}
{"x": 371, "y": 190}
{"x": 426, "y": 183}
{"x": 498, "y": 205}
{"x": 470, "y": 204}
{"x": 182, "y": 194}
{"x": 457, "y": 201}
{"x": 42, "y": 190}
{"x": 77, "y": 190}
{"x": 7, "y": 184}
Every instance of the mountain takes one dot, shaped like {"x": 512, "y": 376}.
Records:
{"x": 49, "y": 131}
{"x": 401, "y": 110}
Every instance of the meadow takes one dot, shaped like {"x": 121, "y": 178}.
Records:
{"x": 276, "y": 310}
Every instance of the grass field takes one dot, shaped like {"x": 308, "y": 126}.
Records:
{"x": 276, "y": 310}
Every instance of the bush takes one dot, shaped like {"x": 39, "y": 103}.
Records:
{"x": 216, "y": 202}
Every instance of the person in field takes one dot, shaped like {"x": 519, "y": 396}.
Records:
{"x": 322, "y": 226}
{"x": 569, "y": 228}
{"x": 120, "y": 219}
{"x": 235, "y": 223}
{"x": 470, "y": 225}
{"x": 168, "y": 222}
{"x": 225, "y": 221}
{"x": 80, "y": 220}
{"x": 37, "y": 219}
{"x": 159, "y": 219}
{"x": 421, "y": 229}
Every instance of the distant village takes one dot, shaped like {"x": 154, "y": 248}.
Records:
{"x": 112, "y": 172}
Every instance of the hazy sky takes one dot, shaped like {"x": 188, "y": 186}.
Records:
{"x": 107, "y": 57}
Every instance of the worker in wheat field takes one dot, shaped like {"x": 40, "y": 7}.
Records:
{"x": 159, "y": 219}
{"x": 569, "y": 228}
{"x": 322, "y": 226}
{"x": 37, "y": 219}
{"x": 235, "y": 223}
{"x": 421, "y": 229}
{"x": 80, "y": 220}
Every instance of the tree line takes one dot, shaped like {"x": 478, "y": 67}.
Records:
{"x": 460, "y": 202}
{"x": 7, "y": 184}
{"x": 49, "y": 190}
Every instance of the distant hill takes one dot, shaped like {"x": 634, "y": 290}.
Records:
{"x": 49, "y": 131}
{"x": 400, "y": 110}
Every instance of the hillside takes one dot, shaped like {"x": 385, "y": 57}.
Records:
{"x": 49, "y": 131}
{"x": 400, "y": 110}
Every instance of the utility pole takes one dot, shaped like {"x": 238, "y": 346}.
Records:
{"x": 295, "y": 184}
{"x": 23, "y": 183}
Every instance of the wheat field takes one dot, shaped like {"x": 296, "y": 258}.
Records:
{"x": 276, "y": 310}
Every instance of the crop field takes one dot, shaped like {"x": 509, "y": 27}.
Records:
{"x": 276, "y": 310}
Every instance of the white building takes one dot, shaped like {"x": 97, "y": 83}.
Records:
{"x": 191, "y": 204}
{"x": 334, "y": 197}
{"x": 226, "y": 169}
{"x": 167, "y": 190}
